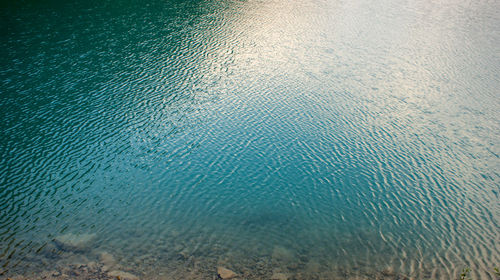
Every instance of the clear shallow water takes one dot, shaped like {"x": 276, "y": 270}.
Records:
{"x": 316, "y": 138}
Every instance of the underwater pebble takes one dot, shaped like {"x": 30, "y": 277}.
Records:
{"x": 107, "y": 259}
{"x": 225, "y": 273}
{"x": 122, "y": 275}
{"x": 279, "y": 276}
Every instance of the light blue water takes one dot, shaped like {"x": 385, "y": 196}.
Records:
{"x": 321, "y": 139}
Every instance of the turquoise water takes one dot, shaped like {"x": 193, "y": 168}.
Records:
{"x": 321, "y": 139}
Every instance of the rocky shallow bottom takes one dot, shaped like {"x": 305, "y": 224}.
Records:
{"x": 97, "y": 271}
{"x": 74, "y": 256}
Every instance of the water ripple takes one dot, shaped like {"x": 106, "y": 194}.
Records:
{"x": 320, "y": 139}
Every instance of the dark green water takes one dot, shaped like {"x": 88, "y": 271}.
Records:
{"x": 320, "y": 139}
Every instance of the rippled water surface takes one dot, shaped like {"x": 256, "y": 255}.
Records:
{"x": 317, "y": 138}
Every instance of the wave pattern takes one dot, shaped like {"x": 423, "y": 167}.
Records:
{"x": 318, "y": 138}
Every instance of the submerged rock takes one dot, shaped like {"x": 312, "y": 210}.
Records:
{"x": 225, "y": 273}
{"x": 122, "y": 275}
{"x": 183, "y": 255}
{"x": 93, "y": 265}
{"x": 313, "y": 267}
{"x": 282, "y": 255}
{"x": 107, "y": 259}
{"x": 74, "y": 242}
